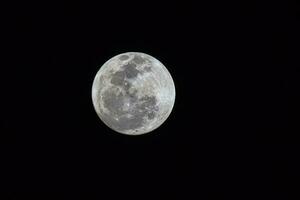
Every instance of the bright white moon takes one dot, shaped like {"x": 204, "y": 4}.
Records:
{"x": 133, "y": 93}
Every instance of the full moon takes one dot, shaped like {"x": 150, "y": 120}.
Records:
{"x": 133, "y": 93}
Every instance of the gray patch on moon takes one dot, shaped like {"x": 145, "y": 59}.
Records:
{"x": 147, "y": 69}
{"x": 138, "y": 59}
{"x": 151, "y": 115}
{"x": 118, "y": 78}
{"x": 124, "y": 123}
{"x": 126, "y": 86}
{"x": 123, "y": 57}
{"x": 148, "y": 101}
{"x": 131, "y": 92}
{"x": 149, "y": 105}
{"x": 130, "y": 119}
{"x": 113, "y": 102}
{"x": 130, "y": 70}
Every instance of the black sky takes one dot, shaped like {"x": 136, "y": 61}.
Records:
{"x": 234, "y": 128}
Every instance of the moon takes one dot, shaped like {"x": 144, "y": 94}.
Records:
{"x": 133, "y": 93}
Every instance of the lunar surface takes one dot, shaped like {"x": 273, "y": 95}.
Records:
{"x": 133, "y": 93}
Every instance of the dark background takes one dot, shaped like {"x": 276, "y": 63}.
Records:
{"x": 234, "y": 128}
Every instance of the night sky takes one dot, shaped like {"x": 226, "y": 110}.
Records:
{"x": 233, "y": 131}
